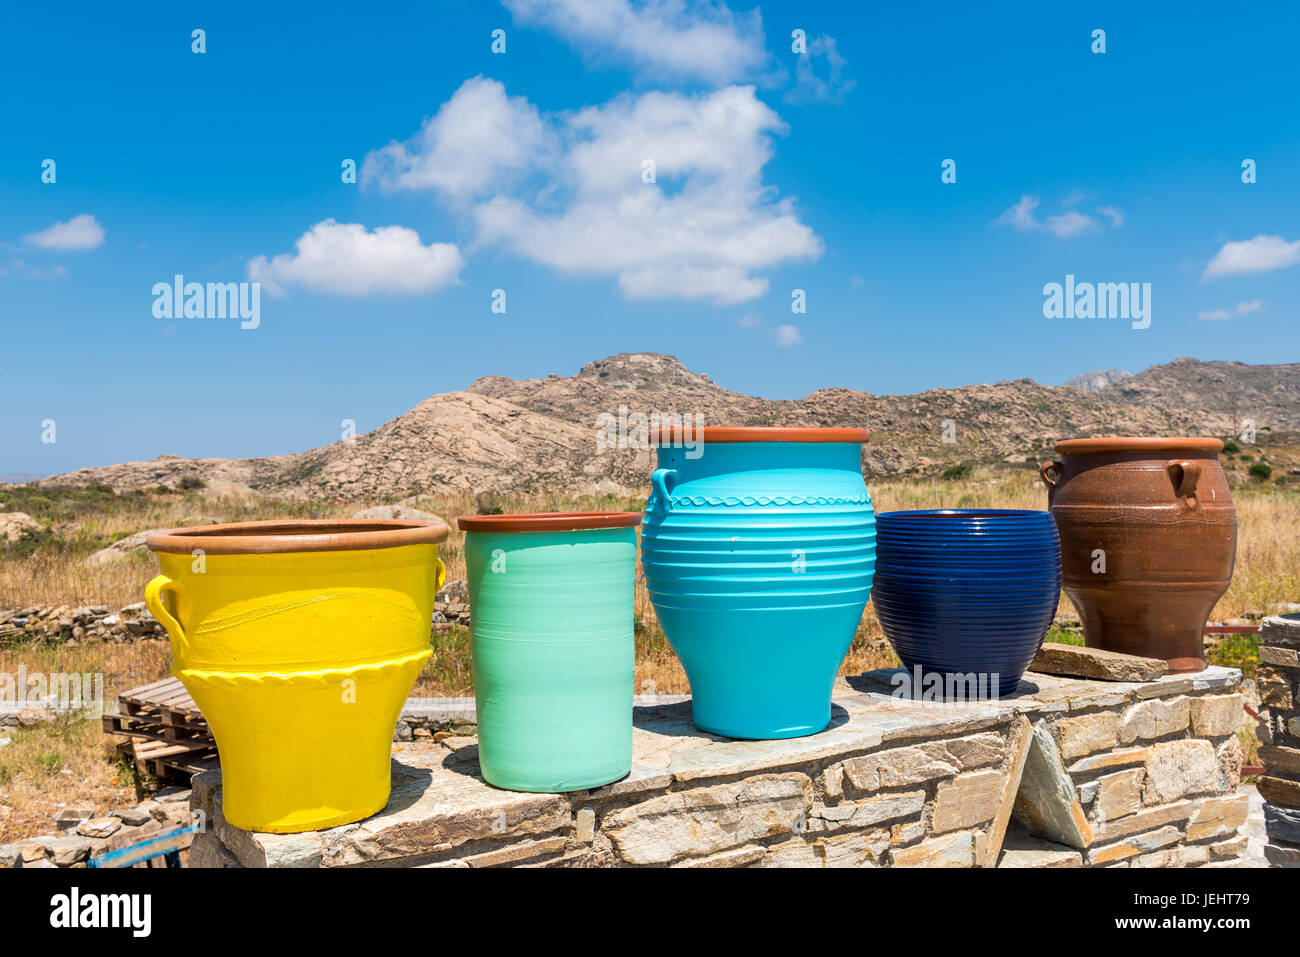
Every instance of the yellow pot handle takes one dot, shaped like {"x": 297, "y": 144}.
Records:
{"x": 439, "y": 575}
{"x": 153, "y": 598}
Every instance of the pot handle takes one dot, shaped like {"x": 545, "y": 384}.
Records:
{"x": 439, "y": 575}
{"x": 154, "y": 593}
{"x": 1185, "y": 475}
{"x": 663, "y": 480}
{"x": 1050, "y": 473}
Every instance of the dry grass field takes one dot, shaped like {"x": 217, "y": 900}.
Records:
{"x": 72, "y": 764}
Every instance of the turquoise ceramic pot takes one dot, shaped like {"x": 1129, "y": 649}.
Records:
{"x": 552, "y": 640}
{"x": 759, "y": 549}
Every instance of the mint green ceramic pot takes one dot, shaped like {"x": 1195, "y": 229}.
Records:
{"x": 552, "y": 639}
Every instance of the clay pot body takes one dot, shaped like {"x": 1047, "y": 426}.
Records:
{"x": 299, "y": 641}
{"x": 553, "y": 646}
{"x": 759, "y": 548}
{"x": 966, "y": 595}
{"x": 1148, "y": 540}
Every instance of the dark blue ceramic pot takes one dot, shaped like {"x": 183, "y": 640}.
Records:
{"x": 967, "y": 595}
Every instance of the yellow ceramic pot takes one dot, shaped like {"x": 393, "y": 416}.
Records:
{"x": 299, "y": 641}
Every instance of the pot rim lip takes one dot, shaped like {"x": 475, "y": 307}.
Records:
{"x": 964, "y": 513}
{"x": 548, "y": 521}
{"x": 281, "y": 536}
{"x": 1140, "y": 443}
{"x": 674, "y": 436}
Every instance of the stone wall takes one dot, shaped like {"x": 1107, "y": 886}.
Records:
{"x": 73, "y": 624}
{"x": 1068, "y": 773}
{"x": 1279, "y": 730}
{"x": 89, "y": 832}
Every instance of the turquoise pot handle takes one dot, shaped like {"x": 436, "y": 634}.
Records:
{"x": 662, "y": 481}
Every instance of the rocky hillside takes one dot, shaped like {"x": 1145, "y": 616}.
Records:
{"x": 541, "y": 435}
{"x": 1097, "y": 379}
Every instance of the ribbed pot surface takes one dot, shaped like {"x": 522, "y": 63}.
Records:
{"x": 553, "y": 655}
{"x": 967, "y": 592}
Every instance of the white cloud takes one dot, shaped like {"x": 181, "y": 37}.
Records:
{"x": 580, "y": 201}
{"x": 346, "y": 259}
{"x": 701, "y": 40}
{"x": 1242, "y": 309}
{"x": 1062, "y": 225}
{"x": 476, "y": 138}
{"x": 811, "y": 88}
{"x": 1021, "y": 215}
{"x": 78, "y": 233}
{"x": 1261, "y": 254}
{"x": 1116, "y": 216}
{"x": 787, "y": 336}
{"x": 1070, "y": 223}
{"x": 749, "y": 320}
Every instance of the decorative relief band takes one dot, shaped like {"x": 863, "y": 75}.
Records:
{"x": 732, "y": 501}
{"x": 326, "y": 677}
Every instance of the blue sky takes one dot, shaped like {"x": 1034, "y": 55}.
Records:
{"x": 524, "y": 171}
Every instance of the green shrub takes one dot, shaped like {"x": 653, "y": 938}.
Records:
{"x": 1064, "y": 636}
{"x": 1236, "y": 651}
{"x": 1261, "y": 471}
{"x": 956, "y": 473}
{"x": 190, "y": 483}
{"x": 1231, "y": 447}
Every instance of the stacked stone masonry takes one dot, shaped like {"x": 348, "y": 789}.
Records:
{"x": 1278, "y": 681}
{"x": 1068, "y": 773}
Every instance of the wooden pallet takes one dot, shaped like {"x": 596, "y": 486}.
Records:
{"x": 163, "y": 710}
{"x": 166, "y": 761}
{"x": 166, "y": 735}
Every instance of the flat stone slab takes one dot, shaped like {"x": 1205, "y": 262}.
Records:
{"x": 465, "y": 711}
{"x": 1053, "y": 693}
{"x": 1024, "y": 850}
{"x": 1080, "y": 662}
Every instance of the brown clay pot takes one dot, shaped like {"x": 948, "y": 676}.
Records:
{"x": 1148, "y": 539}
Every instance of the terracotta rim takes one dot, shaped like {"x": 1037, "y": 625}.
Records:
{"x": 1139, "y": 444}
{"x": 548, "y": 521}
{"x": 756, "y": 433}
{"x": 302, "y": 535}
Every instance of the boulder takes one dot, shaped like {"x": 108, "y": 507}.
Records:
{"x": 99, "y": 827}
{"x": 120, "y": 551}
{"x": 135, "y": 816}
{"x": 14, "y": 524}
{"x": 65, "y": 851}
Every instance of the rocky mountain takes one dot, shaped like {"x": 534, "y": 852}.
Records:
{"x": 549, "y": 435}
{"x": 1097, "y": 379}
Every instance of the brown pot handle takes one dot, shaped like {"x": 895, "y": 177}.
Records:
{"x": 1045, "y": 468}
{"x": 1185, "y": 475}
